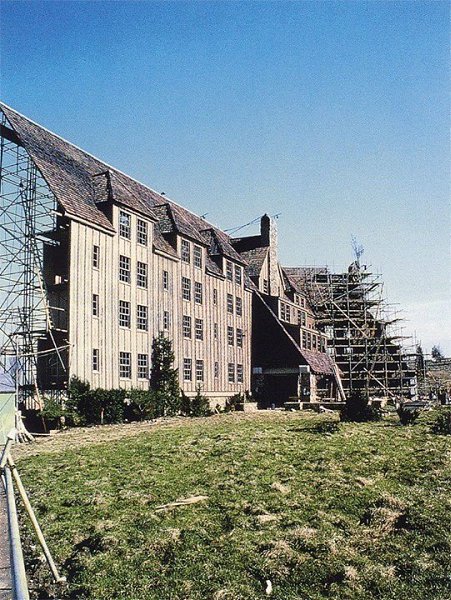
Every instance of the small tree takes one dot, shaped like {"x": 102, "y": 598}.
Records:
{"x": 78, "y": 401}
{"x": 436, "y": 353}
{"x": 164, "y": 378}
{"x": 200, "y": 405}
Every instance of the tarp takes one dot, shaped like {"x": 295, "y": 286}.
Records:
{"x": 7, "y": 412}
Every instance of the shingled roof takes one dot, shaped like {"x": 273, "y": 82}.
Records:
{"x": 255, "y": 259}
{"x": 319, "y": 362}
{"x": 81, "y": 183}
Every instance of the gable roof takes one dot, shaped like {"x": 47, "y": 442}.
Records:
{"x": 319, "y": 362}
{"x": 255, "y": 259}
{"x": 219, "y": 243}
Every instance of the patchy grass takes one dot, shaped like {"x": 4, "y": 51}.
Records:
{"x": 360, "y": 513}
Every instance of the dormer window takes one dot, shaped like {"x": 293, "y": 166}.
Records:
{"x": 238, "y": 275}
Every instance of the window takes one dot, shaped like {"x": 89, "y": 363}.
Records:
{"x": 186, "y": 288}
{"x": 95, "y": 257}
{"x": 231, "y": 372}
{"x": 141, "y": 317}
{"x": 314, "y": 341}
{"x": 187, "y": 369}
{"x": 125, "y": 365}
{"x": 186, "y": 251}
{"x": 301, "y": 318}
{"x": 124, "y": 314}
{"x": 329, "y": 332}
{"x": 239, "y": 306}
{"x": 124, "y": 269}
{"x": 239, "y": 338}
{"x": 230, "y": 336}
{"x": 215, "y": 296}
{"x": 141, "y": 232}
{"x": 285, "y": 312}
{"x": 239, "y": 373}
{"x": 95, "y": 305}
{"x": 165, "y": 319}
{"x": 229, "y": 303}
{"x": 165, "y": 280}
{"x": 197, "y": 292}
{"x": 229, "y": 271}
{"x": 304, "y": 339}
{"x": 199, "y": 329}
{"x": 186, "y": 326}
{"x": 216, "y": 370}
{"x": 238, "y": 276}
{"x": 95, "y": 359}
{"x": 197, "y": 256}
{"x": 143, "y": 366}
{"x": 215, "y": 331}
{"x": 296, "y": 299}
{"x": 141, "y": 274}
{"x": 309, "y": 341}
{"x": 199, "y": 370}
{"x": 125, "y": 225}
{"x": 265, "y": 286}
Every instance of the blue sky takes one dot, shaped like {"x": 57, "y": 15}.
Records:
{"x": 334, "y": 114}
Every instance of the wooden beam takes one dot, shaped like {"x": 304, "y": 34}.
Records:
{"x": 9, "y": 134}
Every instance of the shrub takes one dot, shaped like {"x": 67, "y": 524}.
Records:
{"x": 407, "y": 415}
{"x": 442, "y": 423}
{"x": 185, "y": 404}
{"x": 197, "y": 406}
{"x": 139, "y": 405}
{"x": 233, "y": 402}
{"x": 111, "y": 405}
{"x": 358, "y": 410}
{"x": 77, "y": 393}
{"x": 52, "y": 412}
{"x": 200, "y": 405}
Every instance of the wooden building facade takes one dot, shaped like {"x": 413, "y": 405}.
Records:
{"x": 123, "y": 264}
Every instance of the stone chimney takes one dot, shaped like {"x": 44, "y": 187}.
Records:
{"x": 268, "y": 233}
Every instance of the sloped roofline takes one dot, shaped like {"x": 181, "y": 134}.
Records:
{"x": 109, "y": 167}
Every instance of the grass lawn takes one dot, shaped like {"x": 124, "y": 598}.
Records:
{"x": 361, "y": 513}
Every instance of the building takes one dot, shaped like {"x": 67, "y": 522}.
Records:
{"x": 362, "y": 336}
{"x": 289, "y": 358}
{"x": 109, "y": 264}
{"x": 96, "y": 265}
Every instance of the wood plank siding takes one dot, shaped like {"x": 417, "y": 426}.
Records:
{"x": 163, "y": 299}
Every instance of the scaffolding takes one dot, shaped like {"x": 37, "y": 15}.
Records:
{"x": 364, "y": 335}
{"x": 32, "y": 313}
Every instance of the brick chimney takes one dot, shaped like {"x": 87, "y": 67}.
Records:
{"x": 268, "y": 233}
